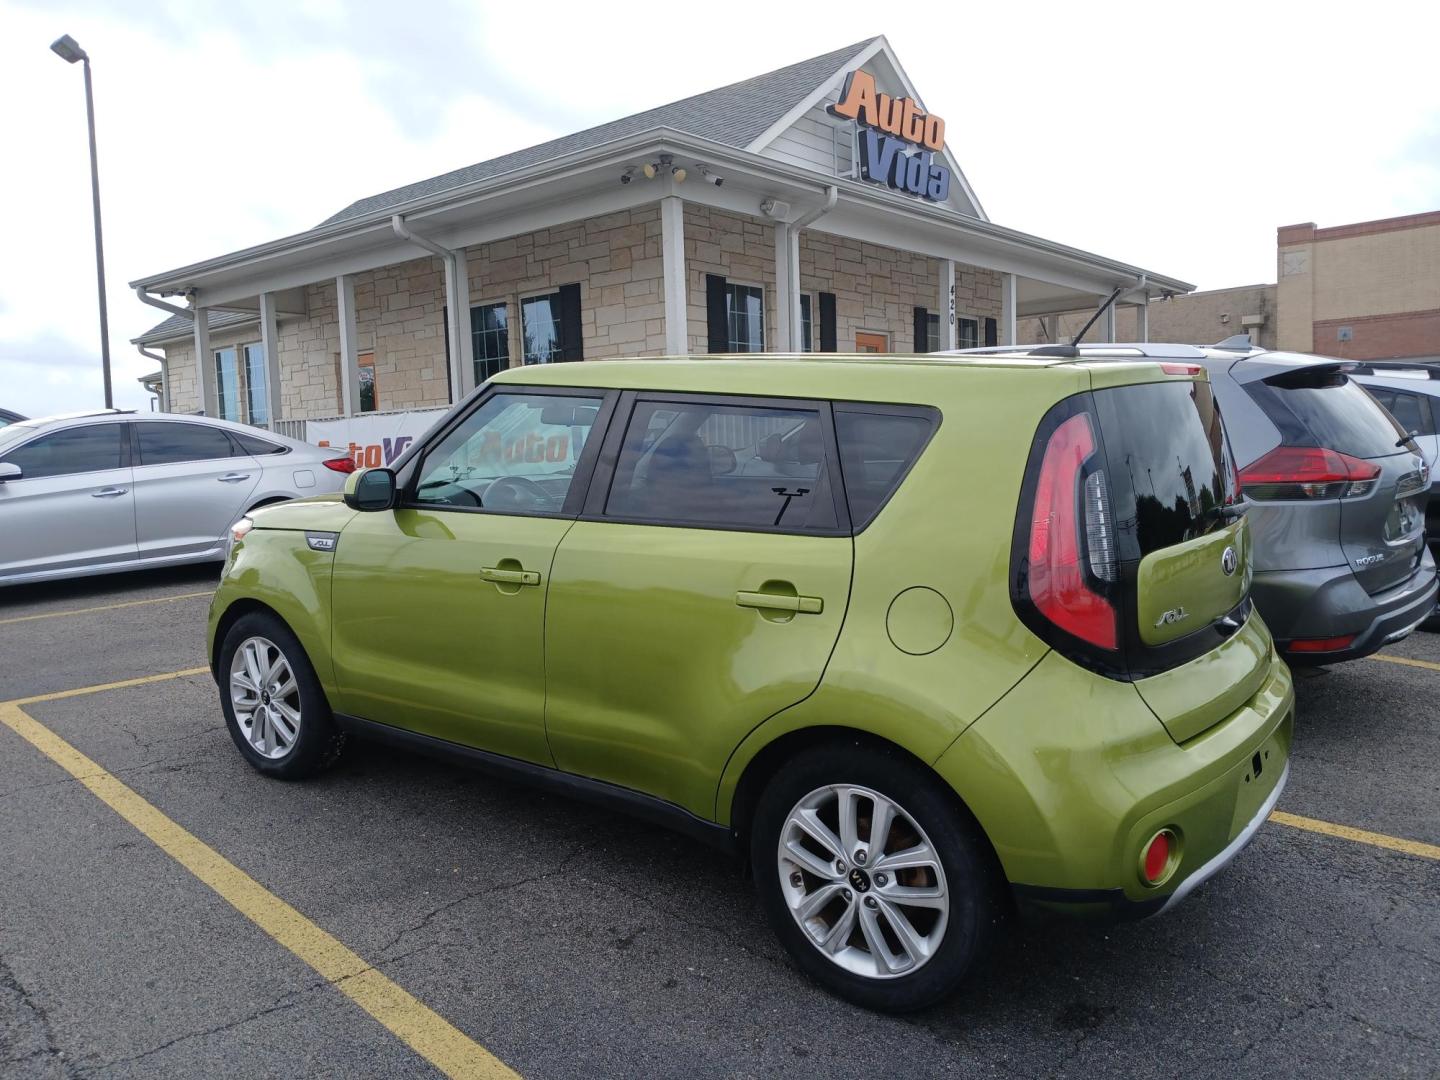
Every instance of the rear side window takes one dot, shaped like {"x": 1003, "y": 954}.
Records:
{"x": 164, "y": 443}
{"x": 1323, "y": 407}
{"x": 76, "y": 450}
{"x": 876, "y": 451}
{"x": 1169, "y": 464}
{"x": 251, "y": 445}
{"x": 1411, "y": 411}
{"x": 724, "y": 466}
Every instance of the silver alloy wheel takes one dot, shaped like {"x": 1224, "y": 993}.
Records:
{"x": 265, "y": 696}
{"x": 863, "y": 881}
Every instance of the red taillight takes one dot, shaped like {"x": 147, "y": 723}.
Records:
{"x": 1057, "y": 584}
{"x": 1155, "y": 863}
{"x": 1181, "y": 369}
{"x": 340, "y": 464}
{"x": 1320, "y": 645}
{"x": 1307, "y": 472}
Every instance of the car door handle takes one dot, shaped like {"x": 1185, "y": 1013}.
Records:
{"x": 803, "y": 605}
{"x": 108, "y": 493}
{"x": 510, "y": 577}
{"x": 233, "y": 477}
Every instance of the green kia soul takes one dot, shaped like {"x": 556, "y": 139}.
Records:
{"x": 918, "y": 636}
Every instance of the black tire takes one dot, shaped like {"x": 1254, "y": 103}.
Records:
{"x": 974, "y": 914}
{"x": 319, "y": 741}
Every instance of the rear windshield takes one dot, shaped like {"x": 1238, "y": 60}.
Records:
{"x": 1169, "y": 463}
{"x": 1325, "y": 408}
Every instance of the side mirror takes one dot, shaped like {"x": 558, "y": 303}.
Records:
{"x": 9, "y": 471}
{"x": 370, "y": 489}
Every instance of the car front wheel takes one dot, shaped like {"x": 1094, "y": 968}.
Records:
{"x": 873, "y": 876}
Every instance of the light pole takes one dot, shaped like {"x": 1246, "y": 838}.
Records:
{"x": 70, "y": 51}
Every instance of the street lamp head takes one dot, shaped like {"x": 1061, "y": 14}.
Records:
{"x": 68, "y": 49}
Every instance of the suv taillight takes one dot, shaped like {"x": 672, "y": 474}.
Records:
{"x": 1056, "y": 582}
{"x": 1307, "y": 472}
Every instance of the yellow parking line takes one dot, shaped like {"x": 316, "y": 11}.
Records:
{"x": 417, "y": 1025}
{"x": 1360, "y": 836}
{"x": 141, "y": 681}
{"x": 104, "y": 607}
{"x": 1404, "y": 660}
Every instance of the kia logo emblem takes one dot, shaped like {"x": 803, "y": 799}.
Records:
{"x": 1229, "y": 561}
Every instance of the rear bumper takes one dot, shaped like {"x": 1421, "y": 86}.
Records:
{"x": 1330, "y": 603}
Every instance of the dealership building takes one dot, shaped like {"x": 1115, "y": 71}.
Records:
{"x": 817, "y": 208}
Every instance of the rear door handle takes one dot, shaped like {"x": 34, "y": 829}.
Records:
{"x": 233, "y": 477}
{"x": 108, "y": 493}
{"x": 510, "y": 577}
{"x": 803, "y": 605}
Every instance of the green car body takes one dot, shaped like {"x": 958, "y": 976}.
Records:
{"x": 631, "y": 660}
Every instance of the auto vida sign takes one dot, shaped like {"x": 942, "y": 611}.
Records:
{"x": 889, "y": 128}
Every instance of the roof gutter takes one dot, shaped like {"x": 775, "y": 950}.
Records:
{"x": 457, "y": 304}
{"x": 173, "y": 309}
{"x": 164, "y": 377}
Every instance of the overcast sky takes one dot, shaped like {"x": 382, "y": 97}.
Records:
{"x": 1172, "y": 136}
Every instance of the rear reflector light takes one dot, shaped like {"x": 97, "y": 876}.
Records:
{"x": 1056, "y": 579}
{"x": 1307, "y": 472}
{"x": 1319, "y": 645}
{"x": 1157, "y": 859}
{"x": 340, "y": 464}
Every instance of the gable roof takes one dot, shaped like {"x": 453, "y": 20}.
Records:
{"x": 735, "y": 115}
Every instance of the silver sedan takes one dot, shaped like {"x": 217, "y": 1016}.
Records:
{"x": 107, "y": 491}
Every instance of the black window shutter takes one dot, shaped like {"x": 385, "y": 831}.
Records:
{"x": 992, "y": 332}
{"x": 717, "y": 316}
{"x": 572, "y": 342}
{"x": 922, "y": 330}
{"x": 445, "y": 337}
{"x": 827, "y": 322}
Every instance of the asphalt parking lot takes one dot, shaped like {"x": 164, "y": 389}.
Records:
{"x": 494, "y": 928}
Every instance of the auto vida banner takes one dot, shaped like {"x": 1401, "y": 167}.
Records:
{"x": 373, "y": 440}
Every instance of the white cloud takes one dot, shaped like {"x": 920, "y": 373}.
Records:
{"x": 1174, "y": 137}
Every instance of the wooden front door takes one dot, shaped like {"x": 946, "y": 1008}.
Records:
{"x": 870, "y": 343}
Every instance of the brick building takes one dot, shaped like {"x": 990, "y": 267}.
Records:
{"x": 815, "y": 208}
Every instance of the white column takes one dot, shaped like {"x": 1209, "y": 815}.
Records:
{"x": 1107, "y": 324}
{"x": 949, "y": 328}
{"x": 672, "y": 257}
{"x": 1142, "y": 321}
{"x": 797, "y": 324}
{"x": 457, "y": 306}
{"x": 270, "y": 342}
{"x": 1007, "y": 310}
{"x": 206, "y": 401}
{"x": 1052, "y": 330}
{"x": 349, "y": 354}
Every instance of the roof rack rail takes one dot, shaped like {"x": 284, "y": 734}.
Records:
{"x": 1422, "y": 368}
{"x": 1068, "y": 351}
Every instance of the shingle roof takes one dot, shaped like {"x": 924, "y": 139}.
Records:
{"x": 735, "y": 115}
{"x": 177, "y": 326}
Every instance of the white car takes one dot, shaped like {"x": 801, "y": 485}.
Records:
{"x": 99, "y": 492}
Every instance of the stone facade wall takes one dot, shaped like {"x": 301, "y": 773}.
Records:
{"x": 738, "y": 248}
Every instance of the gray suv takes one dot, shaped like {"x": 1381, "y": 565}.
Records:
{"x": 1335, "y": 491}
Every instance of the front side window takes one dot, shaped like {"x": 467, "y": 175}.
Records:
{"x": 745, "y": 317}
{"x": 256, "y": 397}
{"x": 165, "y": 443}
{"x": 490, "y": 340}
{"x": 63, "y": 453}
{"x": 227, "y": 385}
{"x": 723, "y": 466}
{"x": 516, "y": 453}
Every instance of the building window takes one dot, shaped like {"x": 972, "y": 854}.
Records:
{"x": 806, "y": 324}
{"x": 932, "y": 334}
{"x": 550, "y": 326}
{"x": 369, "y": 390}
{"x": 227, "y": 385}
{"x": 490, "y": 339}
{"x": 256, "y": 387}
{"x": 745, "y": 317}
{"x": 968, "y": 334}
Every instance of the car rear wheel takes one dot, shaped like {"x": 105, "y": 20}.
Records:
{"x": 873, "y": 876}
{"x": 274, "y": 706}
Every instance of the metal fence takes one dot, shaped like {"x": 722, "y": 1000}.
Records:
{"x": 298, "y": 429}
